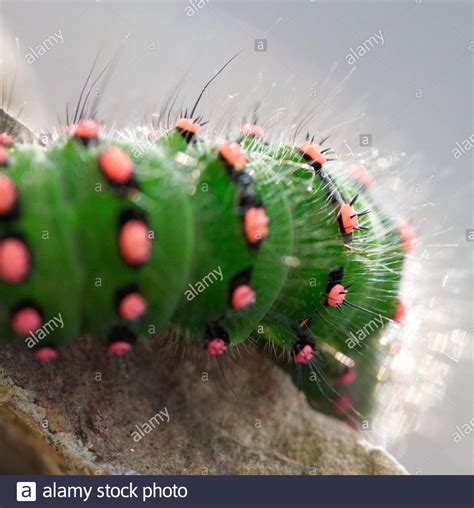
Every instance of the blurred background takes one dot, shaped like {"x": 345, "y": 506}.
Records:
{"x": 409, "y": 90}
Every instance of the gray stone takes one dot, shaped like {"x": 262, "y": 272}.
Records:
{"x": 79, "y": 415}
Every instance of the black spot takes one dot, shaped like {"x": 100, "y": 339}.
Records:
{"x": 121, "y": 189}
{"x": 335, "y": 277}
{"x": 248, "y": 200}
{"x": 315, "y": 165}
{"x": 132, "y": 214}
{"x": 121, "y": 333}
{"x": 13, "y": 214}
{"x": 241, "y": 177}
{"x": 304, "y": 339}
{"x": 215, "y": 331}
{"x": 188, "y": 136}
{"x": 87, "y": 140}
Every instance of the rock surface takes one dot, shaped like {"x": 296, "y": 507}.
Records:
{"x": 80, "y": 415}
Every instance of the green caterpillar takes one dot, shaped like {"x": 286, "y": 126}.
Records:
{"x": 215, "y": 242}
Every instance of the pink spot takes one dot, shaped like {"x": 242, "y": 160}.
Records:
{"x": 116, "y": 165}
{"x": 14, "y": 260}
{"x": 188, "y": 125}
{"x": 305, "y": 355}
{"x": 400, "y": 313}
{"x": 343, "y": 403}
{"x": 347, "y": 378}
{"x": 234, "y": 155}
{"x": 349, "y": 218}
{"x": 216, "y": 347}
{"x": 408, "y": 235}
{"x": 46, "y": 354}
{"x": 313, "y": 152}
{"x": 243, "y": 296}
{"x": 353, "y": 423}
{"x": 135, "y": 243}
{"x": 337, "y": 295}
{"x": 3, "y": 156}
{"x": 360, "y": 173}
{"x": 8, "y": 195}
{"x": 253, "y": 130}
{"x": 256, "y": 224}
{"x": 87, "y": 129}
{"x": 26, "y": 320}
{"x": 133, "y": 306}
{"x": 120, "y": 348}
{"x": 5, "y": 139}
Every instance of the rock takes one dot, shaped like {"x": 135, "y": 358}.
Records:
{"x": 15, "y": 128}
{"x": 90, "y": 413}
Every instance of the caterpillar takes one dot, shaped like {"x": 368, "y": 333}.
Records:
{"x": 215, "y": 241}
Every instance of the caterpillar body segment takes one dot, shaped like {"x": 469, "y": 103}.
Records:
{"x": 341, "y": 293}
{"x": 150, "y": 210}
{"x": 49, "y": 243}
{"x": 248, "y": 262}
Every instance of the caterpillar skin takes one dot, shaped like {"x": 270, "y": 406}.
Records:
{"x": 212, "y": 242}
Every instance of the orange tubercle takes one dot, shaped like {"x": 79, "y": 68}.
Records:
{"x": 313, "y": 152}
{"x": 46, "y": 354}
{"x": 135, "y": 243}
{"x": 132, "y": 307}
{"x": 116, "y": 165}
{"x": 8, "y": 195}
{"x": 188, "y": 125}
{"x": 234, "y": 155}
{"x": 5, "y": 139}
{"x": 15, "y": 260}
{"x": 216, "y": 347}
{"x": 243, "y": 296}
{"x": 26, "y": 320}
{"x": 360, "y": 173}
{"x": 305, "y": 355}
{"x": 253, "y": 130}
{"x": 120, "y": 348}
{"x": 347, "y": 378}
{"x": 337, "y": 295}
{"x": 349, "y": 218}
{"x": 400, "y": 313}
{"x": 408, "y": 235}
{"x": 256, "y": 225}
{"x": 87, "y": 129}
